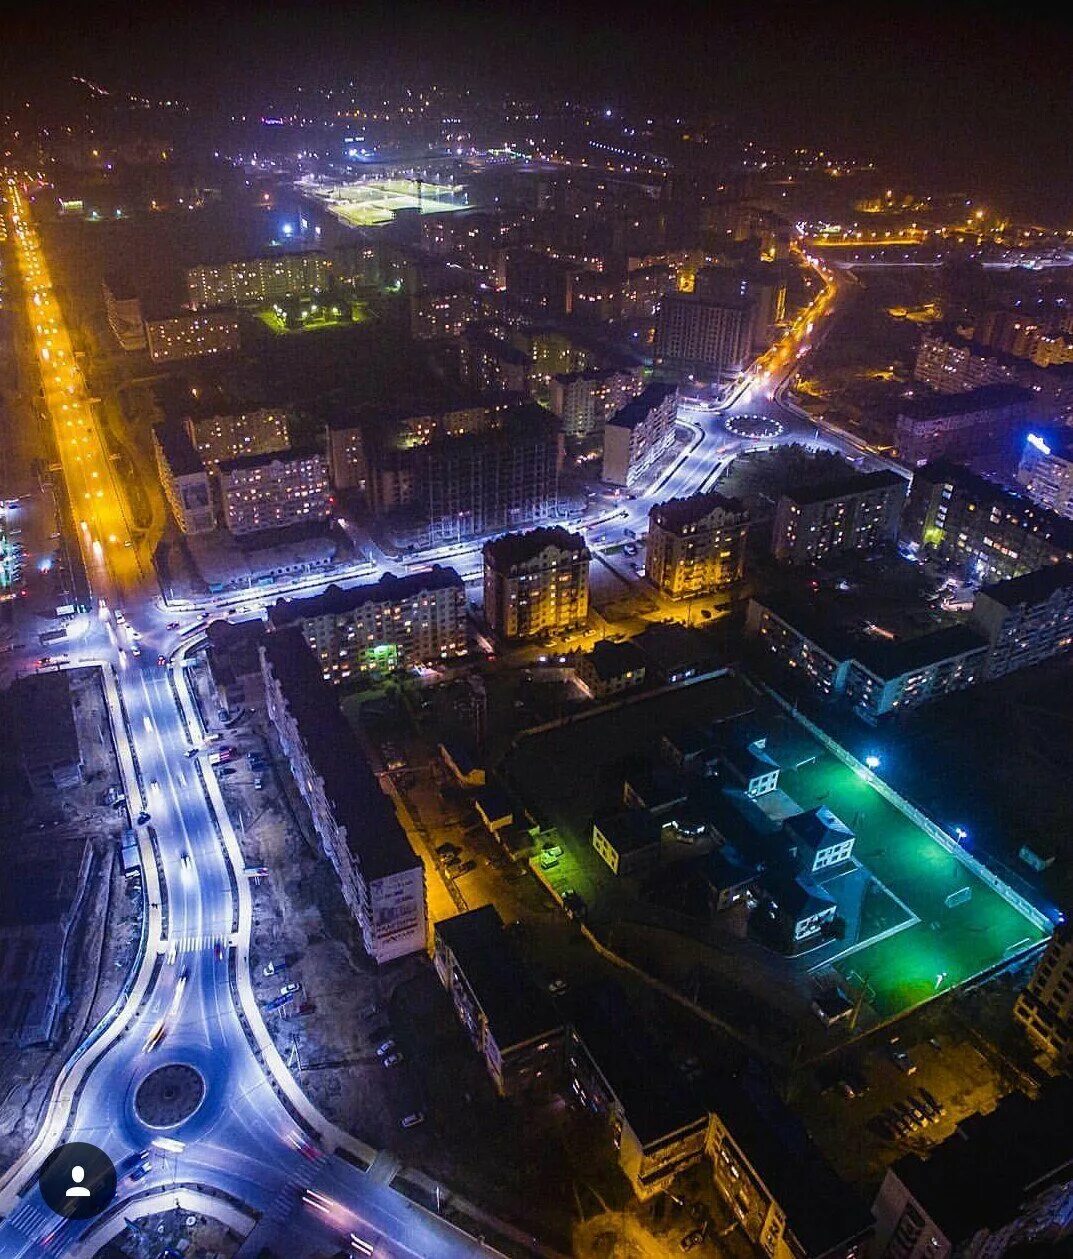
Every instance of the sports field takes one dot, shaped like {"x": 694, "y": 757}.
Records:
{"x": 949, "y": 944}
{"x": 367, "y": 203}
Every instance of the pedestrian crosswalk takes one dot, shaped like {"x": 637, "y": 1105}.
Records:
{"x": 191, "y": 944}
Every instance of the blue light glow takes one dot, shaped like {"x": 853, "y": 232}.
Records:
{"x": 1035, "y": 440}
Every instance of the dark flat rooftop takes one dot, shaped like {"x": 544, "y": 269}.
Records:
{"x": 1032, "y": 587}
{"x": 179, "y": 452}
{"x": 984, "y": 398}
{"x": 858, "y": 483}
{"x": 46, "y": 721}
{"x": 636, "y": 411}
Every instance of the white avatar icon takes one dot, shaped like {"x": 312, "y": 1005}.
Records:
{"x": 77, "y": 1190}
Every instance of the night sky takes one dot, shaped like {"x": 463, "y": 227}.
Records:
{"x": 978, "y": 97}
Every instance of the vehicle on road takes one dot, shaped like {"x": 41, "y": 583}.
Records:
{"x": 156, "y": 1035}
{"x": 162, "y": 661}
{"x": 412, "y": 1120}
{"x": 141, "y": 1171}
{"x": 218, "y": 950}
{"x": 185, "y": 860}
{"x": 444, "y": 850}
{"x": 227, "y": 770}
{"x": 172, "y": 626}
{"x": 143, "y": 817}
{"x": 691, "y": 1239}
{"x": 456, "y": 872}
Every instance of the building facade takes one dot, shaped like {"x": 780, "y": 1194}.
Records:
{"x": 858, "y": 513}
{"x": 397, "y": 622}
{"x": 639, "y": 434}
{"x": 536, "y": 582}
{"x": 381, "y": 877}
{"x": 1044, "y": 1009}
{"x": 273, "y": 491}
{"x": 1026, "y": 620}
{"x": 258, "y": 281}
{"x": 981, "y": 421}
{"x": 183, "y": 478}
{"x": 696, "y": 544}
{"x": 217, "y": 438}
{"x": 709, "y": 340}
{"x": 123, "y": 310}
{"x": 584, "y": 401}
{"x": 192, "y": 336}
{"x": 1046, "y": 472}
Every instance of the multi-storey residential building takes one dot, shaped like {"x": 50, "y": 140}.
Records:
{"x": 950, "y": 364}
{"x": 762, "y": 286}
{"x": 123, "y": 310}
{"x": 628, "y": 840}
{"x": 1045, "y": 1007}
{"x": 709, "y": 340}
{"x": 639, "y": 434}
{"x": 819, "y": 839}
{"x": 779, "y": 1186}
{"x": 237, "y": 433}
{"x": 394, "y": 623}
{"x": 509, "y": 1019}
{"x": 1026, "y": 619}
{"x": 857, "y": 513}
{"x": 584, "y": 400}
{"x": 696, "y": 544}
{"x": 273, "y": 491}
{"x": 536, "y": 582}
{"x": 348, "y": 465}
{"x": 439, "y": 313}
{"x": 381, "y": 877}
{"x": 980, "y": 528}
{"x": 540, "y": 283}
{"x": 875, "y": 678}
{"x": 643, "y": 290}
{"x": 981, "y": 421}
{"x": 492, "y": 365}
{"x": 192, "y": 336}
{"x": 183, "y": 477}
{"x": 1001, "y": 1184}
{"x": 1046, "y": 471}
{"x": 616, "y": 1069}
{"x": 258, "y": 281}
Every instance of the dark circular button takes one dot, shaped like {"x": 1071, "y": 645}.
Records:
{"x": 78, "y": 1181}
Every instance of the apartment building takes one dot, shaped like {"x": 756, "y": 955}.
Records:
{"x": 705, "y": 339}
{"x": 959, "y": 425}
{"x": 381, "y": 877}
{"x": 584, "y": 401}
{"x": 1044, "y": 1009}
{"x": 183, "y": 337}
{"x": 696, "y": 544}
{"x": 639, "y": 434}
{"x": 437, "y": 313}
{"x": 1046, "y": 471}
{"x": 258, "y": 281}
{"x": 238, "y": 433}
{"x": 275, "y": 490}
{"x": 123, "y": 310}
{"x": 492, "y": 365}
{"x": 979, "y": 528}
{"x": 857, "y": 513}
{"x": 950, "y": 364}
{"x": 536, "y": 582}
{"x": 183, "y": 477}
{"x": 397, "y": 622}
{"x": 1026, "y": 620}
{"x": 510, "y": 1021}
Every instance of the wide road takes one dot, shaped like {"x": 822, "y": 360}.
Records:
{"x": 242, "y": 1142}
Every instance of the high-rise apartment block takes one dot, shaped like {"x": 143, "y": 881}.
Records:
{"x": 1045, "y": 1007}
{"x": 696, "y": 544}
{"x": 585, "y": 400}
{"x": 394, "y": 623}
{"x": 274, "y": 490}
{"x": 981, "y": 421}
{"x": 856, "y": 513}
{"x": 536, "y": 582}
{"x": 639, "y": 434}
{"x": 184, "y": 337}
{"x": 967, "y": 521}
{"x": 381, "y": 877}
{"x": 258, "y": 281}
{"x": 1046, "y": 471}
{"x": 697, "y": 337}
{"x": 183, "y": 477}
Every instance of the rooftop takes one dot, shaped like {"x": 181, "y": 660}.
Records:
{"x": 377, "y": 841}
{"x": 611, "y": 660}
{"x": 47, "y": 731}
{"x": 244, "y": 463}
{"x": 518, "y": 548}
{"x": 337, "y": 600}
{"x": 516, "y": 1010}
{"x": 638, "y": 409}
{"x": 972, "y": 1182}
{"x": 986, "y": 397}
{"x": 677, "y": 512}
{"x": 1032, "y": 588}
{"x": 888, "y": 660}
{"x": 178, "y": 450}
{"x": 818, "y": 827}
{"x": 628, "y": 830}
{"x": 858, "y": 483}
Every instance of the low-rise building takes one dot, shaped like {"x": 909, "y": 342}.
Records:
{"x": 396, "y": 622}
{"x": 183, "y": 477}
{"x": 381, "y": 877}
{"x": 239, "y": 432}
{"x": 751, "y": 767}
{"x": 536, "y": 582}
{"x": 696, "y": 544}
{"x": 616, "y": 1069}
{"x": 857, "y": 513}
{"x": 49, "y": 750}
{"x": 980, "y": 528}
{"x": 1026, "y": 619}
{"x": 200, "y": 335}
{"x": 436, "y": 313}
{"x": 1003, "y": 1181}
{"x": 639, "y": 434}
{"x": 611, "y": 668}
{"x": 960, "y": 425}
{"x": 511, "y": 1022}
{"x": 819, "y": 838}
{"x": 1046, "y": 471}
{"x": 628, "y": 840}
{"x": 272, "y": 491}
{"x": 1044, "y": 1008}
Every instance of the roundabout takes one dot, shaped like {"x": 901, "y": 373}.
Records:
{"x": 169, "y": 1095}
{"x": 754, "y": 427}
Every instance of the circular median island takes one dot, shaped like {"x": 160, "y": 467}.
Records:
{"x": 169, "y": 1095}
{"x": 753, "y": 427}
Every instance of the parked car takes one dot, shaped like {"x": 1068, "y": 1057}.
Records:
{"x": 903, "y": 1062}
{"x": 557, "y": 987}
{"x": 392, "y": 1060}
{"x": 445, "y": 850}
{"x": 386, "y": 1048}
{"x": 412, "y": 1120}
{"x": 288, "y": 989}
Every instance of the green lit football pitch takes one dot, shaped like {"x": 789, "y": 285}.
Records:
{"x": 949, "y": 945}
